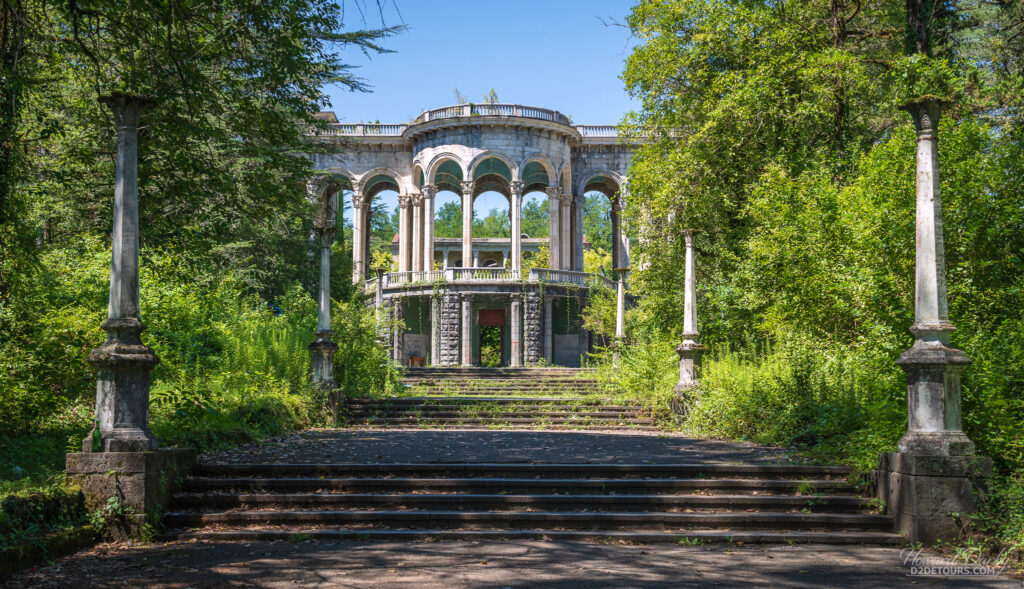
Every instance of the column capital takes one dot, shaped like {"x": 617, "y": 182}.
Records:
{"x": 516, "y": 188}
{"x": 358, "y": 199}
{"x": 127, "y": 107}
{"x": 467, "y": 187}
{"x": 428, "y": 191}
{"x": 516, "y": 297}
{"x": 579, "y": 200}
{"x": 417, "y": 199}
{"x": 466, "y": 296}
{"x": 926, "y": 114}
{"x": 404, "y": 200}
{"x": 553, "y": 191}
{"x": 617, "y": 204}
{"x": 565, "y": 199}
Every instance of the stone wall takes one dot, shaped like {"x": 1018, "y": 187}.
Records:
{"x": 533, "y": 328}
{"x": 450, "y": 310}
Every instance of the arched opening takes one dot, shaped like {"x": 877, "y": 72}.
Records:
{"x": 492, "y": 214}
{"x": 380, "y": 195}
{"x": 603, "y": 225}
{"x": 448, "y": 214}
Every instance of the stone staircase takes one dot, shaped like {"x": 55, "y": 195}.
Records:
{"x": 682, "y": 503}
{"x": 531, "y": 398}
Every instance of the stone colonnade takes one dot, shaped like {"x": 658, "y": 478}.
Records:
{"x": 416, "y": 230}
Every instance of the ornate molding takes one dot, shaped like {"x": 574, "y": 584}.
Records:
{"x": 516, "y": 187}
{"x": 358, "y": 200}
{"x": 404, "y": 200}
{"x": 467, "y": 186}
{"x": 926, "y": 114}
{"x": 417, "y": 199}
{"x": 428, "y": 191}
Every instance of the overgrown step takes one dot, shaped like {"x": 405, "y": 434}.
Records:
{"x": 689, "y": 502}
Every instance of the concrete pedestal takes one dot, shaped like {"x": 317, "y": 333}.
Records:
{"x": 143, "y": 482}
{"x": 928, "y": 496}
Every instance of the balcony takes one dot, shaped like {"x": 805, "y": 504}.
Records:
{"x": 457, "y": 276}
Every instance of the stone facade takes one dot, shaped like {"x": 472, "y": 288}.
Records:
{"x": 533, "y": 328}
{"x": 448, "y": 348}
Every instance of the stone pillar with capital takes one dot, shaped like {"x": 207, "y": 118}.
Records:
{"x": 579, "y": 202}
{"x": 417, "y": 233}
{"x": 516, "y": 305}
{"x": 359, "y": 206}
{"x": 690, "y": 350}
{"x": 467, "y": 329}
{"x": 428, "y": 226}
{"x": 120, "y": 458}
{"x": 565, "y": 232}
{"x": 934, "y": 478}
{"x": 404, "y": 232}
{"x": 467, "y": 223}
{"x": 616, "y": 215}
{"x": 620, "y": 314}
{"x": 554, "y": 226}
{"x": 322, "y": 350}
{"x": 123, "y": 362}
{"x": 516, "y": 207}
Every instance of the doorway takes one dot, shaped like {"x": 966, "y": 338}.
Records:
{"x": 492, "y": 337}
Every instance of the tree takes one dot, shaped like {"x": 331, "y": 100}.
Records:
{"x": 534, "y": 217}
{"x": 491, "y": 97}
{"x": 449, "y": 220}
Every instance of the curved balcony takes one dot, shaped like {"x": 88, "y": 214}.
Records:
{"x": 469, "y": 276}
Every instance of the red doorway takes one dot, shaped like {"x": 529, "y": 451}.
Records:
{"x": 491, "y": 336}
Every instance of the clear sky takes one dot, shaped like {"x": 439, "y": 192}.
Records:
{"x": 553, "y": 54}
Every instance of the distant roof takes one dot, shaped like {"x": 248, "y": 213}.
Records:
{"x": 326, "y": 116}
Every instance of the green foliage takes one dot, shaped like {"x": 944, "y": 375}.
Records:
{"x": 640, "y": 374}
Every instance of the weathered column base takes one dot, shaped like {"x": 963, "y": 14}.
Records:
{"x": 142, "y": 482}
{"x": 322, "y": 356}
{"x": 929, "y": 496}
{"x": 933, "y": 400}
{"x": 690, "y": 354}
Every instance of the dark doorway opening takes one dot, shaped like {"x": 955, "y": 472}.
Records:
{"x": 492, "y": 337}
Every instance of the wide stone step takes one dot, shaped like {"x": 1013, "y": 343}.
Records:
{"x": 533, "y": 470}
{"x": 432, "y": 413}
{"x": 523, "y": 421}
{"x": 282, "y": 483}
{"x": 476, "y": 400}
{"x": 533, "y": 519}
{"x": 688, "y": 537}
{"x": 482, "y": 501}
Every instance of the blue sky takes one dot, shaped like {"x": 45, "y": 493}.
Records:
{"x": 553, "y": 54}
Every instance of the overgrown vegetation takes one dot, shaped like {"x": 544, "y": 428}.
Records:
{"x": 775, "y": 129}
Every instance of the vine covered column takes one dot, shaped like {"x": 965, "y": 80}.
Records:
{"x": 467, "y": 329}
{"x": 517, "y": 330}
{"x": 417, "y": 233}
{"x": 565, "y": 232}
{"x": 579, "y": 202}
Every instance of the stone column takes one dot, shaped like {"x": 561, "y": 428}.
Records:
{"x": 358, "y": 238}
{"x": 584, "y": 345}
{"x": 446, "y": 258}
{"x": 428, "y": 227}
{"x": 476, "y": 259}
{"x": 690, "y": 350}
{"x": 404, "y": 232}
{"x": 616, "y": 215}
{"x": 579, "y": 202}
{"x": 467, "y": 330}
{"x": 554, "y": 226}
{"x": 435, "y": 330}
{"x": 417, "y": 232}
{"x": 565, "y": 234}
{"x": 448, "y": 347}
{"x": 398, "y": 331}
{"x": 620, "y": 315}
{"x": 935, "y": 473}
{"x": 123, "y": 362}
{"x": 322, "y": 350}
{"x": 517, "y": 330}
{"x": 516, "y": 209}
{"x": 533, "y": 328}
{"x": 549, "y": 331}
{"x": 467, "y": 223}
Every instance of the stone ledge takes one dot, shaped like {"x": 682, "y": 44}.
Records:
{"x": 936, "y": 466}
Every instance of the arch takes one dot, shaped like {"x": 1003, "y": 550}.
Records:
{"x": 487, "y": 163}
{"x": 379, "y": 179}
{"x": 454, "y": 171}
{"x": 343, "y": 177}
{"x": 605, "y": 181}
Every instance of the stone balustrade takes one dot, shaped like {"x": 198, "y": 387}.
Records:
{"x": 470, "y": 275}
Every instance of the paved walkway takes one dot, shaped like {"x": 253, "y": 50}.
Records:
{"x": 449, "y": 565}
{"x": 517, "y": 564}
